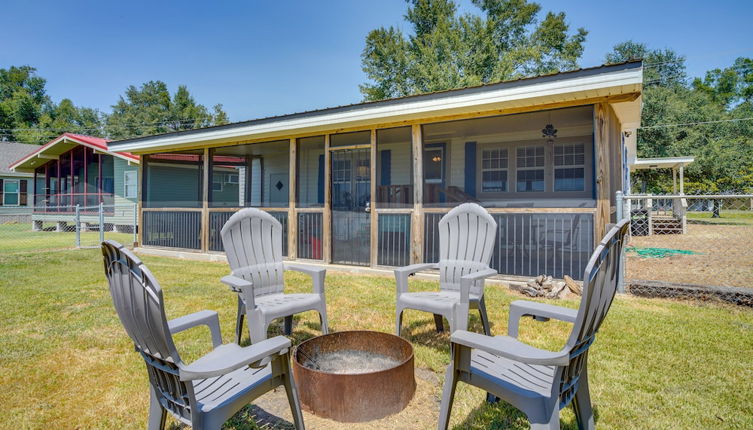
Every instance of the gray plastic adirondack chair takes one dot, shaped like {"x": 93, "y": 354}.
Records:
{"x": 210, "y": 390}
{"x": 253, "y": 243}
{"x": 536, "y": 381}
{"x": 466, "y": 241}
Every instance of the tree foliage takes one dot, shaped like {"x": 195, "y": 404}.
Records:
{"x": 27, "y": 114}
{"x": 445, "y": 50}
{"x": 150, "y": 109}
{"x": 705, "y": 118}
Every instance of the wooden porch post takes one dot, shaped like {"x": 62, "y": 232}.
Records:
{"x": 374, "y": 219}
{"x": 139, "y": 202}
{"x": 205, "y": 203}
{"x": 601, "y": 135}
{"x": 327, "y": 215}
{"x": 417, "y": 217}
{"x": 292, "y": 224}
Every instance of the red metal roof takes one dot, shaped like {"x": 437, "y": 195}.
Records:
{"x": 91, "y": 141}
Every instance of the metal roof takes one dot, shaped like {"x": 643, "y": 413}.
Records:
{"x": 131, "y": 144}
{"x": 661, "y": 163}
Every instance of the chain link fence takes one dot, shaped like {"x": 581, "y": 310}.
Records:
{"x": 689, "y": 246}
{"x": 66, "y": 227}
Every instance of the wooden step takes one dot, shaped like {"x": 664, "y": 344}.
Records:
{"x": 666, "y": 226}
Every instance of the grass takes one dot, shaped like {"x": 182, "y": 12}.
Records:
{"x": 66, "y": 362}
{"x": 732, "y": 217}
{"x": 17, "y": 237}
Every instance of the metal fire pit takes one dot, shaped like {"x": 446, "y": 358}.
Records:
{"x": 355, "y": 397}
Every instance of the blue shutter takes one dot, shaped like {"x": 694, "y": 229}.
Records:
{"x": 470, "y": 168}
{"x": 320, "y": 179}
{"x": 386, "y": 167}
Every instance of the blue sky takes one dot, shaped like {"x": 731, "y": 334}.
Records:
{"x": 267, "y": 58}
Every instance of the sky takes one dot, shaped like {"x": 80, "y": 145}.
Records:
{"x": 262, "y": 58}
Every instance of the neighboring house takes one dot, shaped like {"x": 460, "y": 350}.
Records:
{"x": 76, "y": 170}
{"x": 15, "y": 187}
{"x": 366, "y": 184}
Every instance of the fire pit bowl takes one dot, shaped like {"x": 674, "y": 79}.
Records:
{"x": 354, "y": 376}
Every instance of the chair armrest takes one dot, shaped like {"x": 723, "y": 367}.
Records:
{"x": 521, "y": 308}
{"x": 402, "y": 274}
{"x": 235, "y": 357}
{"x": 241, "y": 286}
{"x": 511, "y": 348}
{"x": 207, "y": 318}
{"x": 468, "y": 280}
{"x": 317, "y": 275}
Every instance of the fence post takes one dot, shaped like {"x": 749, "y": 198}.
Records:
{"x": 619, "y": 201}
{"x": 77, "y": 221}
{"x": 101, "y": 222}
{"x": 135, "y": 223}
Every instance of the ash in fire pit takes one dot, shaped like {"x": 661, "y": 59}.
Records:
{"x": 354, "y": 376}
{"x": 350, "y": 361}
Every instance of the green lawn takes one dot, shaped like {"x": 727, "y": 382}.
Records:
{"x": 15, "y": 237}
{"x": 65, "y": 361}
{"x": 736, "y": 217}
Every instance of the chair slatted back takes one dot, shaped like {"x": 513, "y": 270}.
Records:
{"x": 138, "y": 301}
{"x": 253, "y": 243}
{"x": 466, "y": 242}
{"x": 599, "y": 289}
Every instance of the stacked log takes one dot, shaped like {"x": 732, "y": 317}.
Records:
{"x": 547, "y": 287}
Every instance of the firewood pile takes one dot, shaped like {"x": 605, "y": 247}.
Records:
{"x": 546, "y": 287}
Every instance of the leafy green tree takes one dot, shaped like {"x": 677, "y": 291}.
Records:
{"x": 150, "y": 109}
{"x": 703, "y": 118}
{"x": 61, "y": 118}
{"x": 446, "y": 50}
{"x": 23, "y": 101}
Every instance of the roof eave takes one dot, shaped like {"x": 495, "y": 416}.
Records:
{"x": 569, "y": 88}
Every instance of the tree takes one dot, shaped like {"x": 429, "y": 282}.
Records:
{"x": 23, "y": 100}
{"x": 680, "y": 119}
{"x": 446, "y": 51}
{"x": 150, "y": 109}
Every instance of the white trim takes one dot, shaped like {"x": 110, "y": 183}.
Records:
{"x": 661, "y": 163}
{"x": 602, "y": 84}
{"x": 39, "y": 153}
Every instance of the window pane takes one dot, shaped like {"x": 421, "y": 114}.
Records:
{"x": 10, "y": 186}
{"x": 310, "y": 175}
{"x": 254, "y": 175}
{"x": 10, "y": 199}
{"x": 494, "y": 181}
{"x": 173, "y": 180}
{"x": 434, "y": 165}
{"x": 569, "y": 179}
{"x": 569, "y": 155}
{"x": 130, "y": 184}
{"x": 531, "y": 156}
{"x": 530, "y": 180}
{"x": 394, "y": 168}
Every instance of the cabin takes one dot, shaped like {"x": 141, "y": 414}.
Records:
{"x": 366, "y": 184}
{"x": 14, "y": 186}
{"x": 77, "y": 170}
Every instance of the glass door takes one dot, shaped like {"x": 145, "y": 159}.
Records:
{"x": 351, "y": 196}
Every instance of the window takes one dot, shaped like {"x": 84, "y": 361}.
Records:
{"x": 10, "y": 192}
{"x": 130, "y": 184}
{"x": 530, "y": 165}
{"x": 434, "y": 160}
{"x": 394, "y": 168}
{"x": 310, "y": 172}
{"x": 569, "y": 167}
{"x": 494, "y": 170}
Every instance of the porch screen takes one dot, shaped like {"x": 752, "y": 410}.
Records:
{"x": 255, "y": 175}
